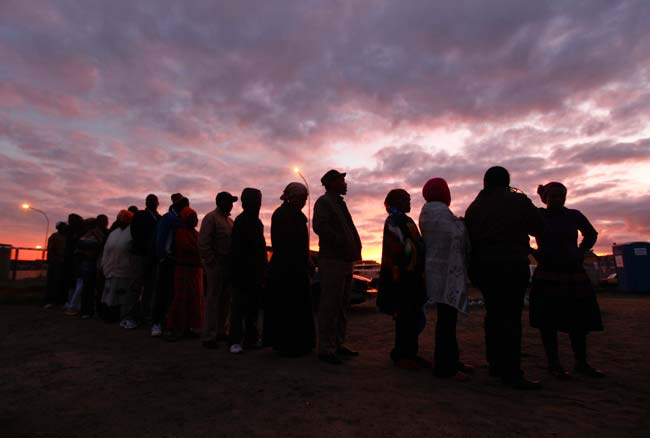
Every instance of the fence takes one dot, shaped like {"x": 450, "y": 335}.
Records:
{"x": 16, "y": 263}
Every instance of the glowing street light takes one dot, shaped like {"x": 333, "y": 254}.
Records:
{"x": 26, "y": 206}
{"x": 297, "y": 171}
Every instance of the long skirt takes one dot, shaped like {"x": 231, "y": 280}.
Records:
{"x": 565, "y": 301}
{"x": 187, "y": 308}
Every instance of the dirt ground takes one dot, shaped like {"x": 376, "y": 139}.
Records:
{"x": 64, "y": 377}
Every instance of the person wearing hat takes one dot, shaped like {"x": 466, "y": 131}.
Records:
{"x": 164, "y": 240}
{"x": 288, "y": 312}
{"x": 339, "y": 247}
{"x": 499, "y": 222}
{"x": 562, "y": 297}
{"x": 214, "y": 247}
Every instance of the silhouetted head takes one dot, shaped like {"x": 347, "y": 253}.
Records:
{"x": 74, "y": 220}
{"x": 436, "y": 189}
{"x": 102, "y": 222}
{"x": 334, "y": 181}
{"x": 224, "y": 201}
{"x": 180, "y": 203}
{"x": 124, "y": 218}
{"x": 398, "y": 199}
{"x": 496, "y": 177}
{"x": 151, "y": 202}
{"x": 552, "y": 194}
{"x": 189, "y": 217}
{"x": 295, "y": 194}
{"x": 88, "y": 224}
{"x": 133, "y": 209}
{"x": 251, "y": 200}
{"x": 61, "y": 227}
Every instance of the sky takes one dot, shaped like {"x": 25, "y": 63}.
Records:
{"x": 104, "y": 102}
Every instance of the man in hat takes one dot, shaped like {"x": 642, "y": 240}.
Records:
{"x": 165, "y": 231}
{"x": 214, "y": 246}
{"x": 339, "y": 247}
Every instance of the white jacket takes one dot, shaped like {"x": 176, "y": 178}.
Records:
{"x": 446, "y": 244}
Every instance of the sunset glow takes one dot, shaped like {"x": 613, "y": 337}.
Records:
{"x": 102, "y": 103}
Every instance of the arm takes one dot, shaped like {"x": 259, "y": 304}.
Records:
{"x": 589, "y": 233}
{"x": 206, "y": 237}
{"x": 322, "y": 222}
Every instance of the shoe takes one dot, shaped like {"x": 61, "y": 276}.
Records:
{"x": 48, "y": 306}
{"x": 465, "y": 369}
{"x": 156, "y": 330}
{"x": 423, "y": 363}
{"x": 330, "y": 358}
{"x": 559, "y": 373}
{"x": 86, "y": 316}
{"x": 459, "y": 377}
{"x": 523, "y": 384}
{"x": 210, "y": 344}
{"x": 345, "y": 352}
{"x": 71, "y": 312}
{"x": 129, "y": 324}
{"x": 588, "y": 371}
{"x": 236, "y": 349}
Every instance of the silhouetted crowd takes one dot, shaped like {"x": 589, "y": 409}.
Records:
{"x": 213, "y": 284}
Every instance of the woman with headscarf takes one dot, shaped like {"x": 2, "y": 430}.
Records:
{"x": 446, "y": 247}
{"x": 401, "y": 284}
{"x": 185, "y": 316}
{"x": 562, "y": 297}
{"x": 288, "y": 313}
{"x": 120, "y": 295}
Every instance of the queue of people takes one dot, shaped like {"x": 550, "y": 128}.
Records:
{"x": 158, "y": 270}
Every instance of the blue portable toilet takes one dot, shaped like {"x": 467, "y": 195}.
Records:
{"x": 633, "y": 266}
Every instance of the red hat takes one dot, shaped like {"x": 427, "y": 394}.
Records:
{"x": 436, "y": 189}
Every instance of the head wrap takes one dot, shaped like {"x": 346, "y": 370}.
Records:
{"x": 542, "y": 190}
{"x": 186, "y": 213}
{"x": 436, "y": 189}
{"x": 125, "y": 216}
{"x": 496, "y": 177}
{"x": 292, "y": 190}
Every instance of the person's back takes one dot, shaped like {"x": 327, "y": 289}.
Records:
{"x": 499, "y": 222}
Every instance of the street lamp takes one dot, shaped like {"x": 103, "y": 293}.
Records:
{"x": 47, "y": 222}
{"x": 297, "y": 171}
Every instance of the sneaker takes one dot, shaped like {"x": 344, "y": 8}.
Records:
{"x": 48, "y": 306}
{"x": 236, "y": 349}
{"x": 85, "y": 316}
{"x": 71, "y": 312}
{"x": 156, "y": 330}
{"x": 129, "y": 324}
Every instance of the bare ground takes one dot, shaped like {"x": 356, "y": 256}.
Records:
{"x": 62, "y": 376}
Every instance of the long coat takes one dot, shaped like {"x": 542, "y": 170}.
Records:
{"x": 288, "y": 318}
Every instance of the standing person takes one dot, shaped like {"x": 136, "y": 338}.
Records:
{"x": 90, "y": 248}
{"x": 249, "y": 266}
{"x": 73, "y": 283}
{"x": 499, "y": 222}
{"x": 339, "y": 247}
{"x": 401, "y": 284}
{"x": 143, "y": 232}
{"x": 214, "y": 246}
{"x": 165, "y": 269}
{"x": 562, "y": 297}
{"x": 446, "y": 247}
{"x": 120, "y": 293}
{"x": 288, "y": 312}
{"x": 55, "y": 266}
{"x": 185, "y": 316}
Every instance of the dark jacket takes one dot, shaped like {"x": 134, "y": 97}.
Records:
{"x": 248, "y": 251}
{"x": 499, "y": 223}
{"x": 338, "y": 237}
{"x": 143, "y": 232}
